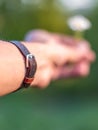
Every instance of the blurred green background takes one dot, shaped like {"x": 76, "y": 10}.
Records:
{"x": 65, "y": 104}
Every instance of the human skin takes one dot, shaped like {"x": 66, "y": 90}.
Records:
{"x": 68, "y": 70}
{"x": 48, "y": 56}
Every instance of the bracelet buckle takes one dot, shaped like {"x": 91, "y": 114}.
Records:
{"x": 28, "y": 57}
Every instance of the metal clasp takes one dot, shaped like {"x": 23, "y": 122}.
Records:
{"x": 29, "y": 56}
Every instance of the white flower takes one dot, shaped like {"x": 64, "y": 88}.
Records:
{"x": 79, "y": 23}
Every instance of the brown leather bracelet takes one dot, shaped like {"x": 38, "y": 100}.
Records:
{"x": 30, "y": 64}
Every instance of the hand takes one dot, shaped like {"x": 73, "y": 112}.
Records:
{"x": 61, "y": 57}
{"x": 53, "y": 61}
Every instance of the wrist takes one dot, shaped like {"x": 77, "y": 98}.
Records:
{"x": 12, "y": 67}
{"x": 30, "y": 64}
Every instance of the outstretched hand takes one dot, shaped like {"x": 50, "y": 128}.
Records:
{"x": 59, "y": 57}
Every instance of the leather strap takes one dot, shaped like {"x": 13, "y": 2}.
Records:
{"x": 30, "y": 64}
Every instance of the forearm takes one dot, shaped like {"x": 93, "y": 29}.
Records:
{"x": 12, "y": 67}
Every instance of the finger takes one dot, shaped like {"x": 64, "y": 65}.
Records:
{"x": 84, "y": 46}
{"x": 62, "y": 53}
{"x": 72, "y": 42}
{"x": 64, "y": 39}
{"x": 79, "y": 70}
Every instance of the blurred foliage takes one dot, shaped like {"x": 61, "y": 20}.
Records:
{"x": 18, "y": 18}
{"x": 71, "y": 104}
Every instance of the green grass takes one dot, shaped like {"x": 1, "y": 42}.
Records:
{"x": 42, "y": 110}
